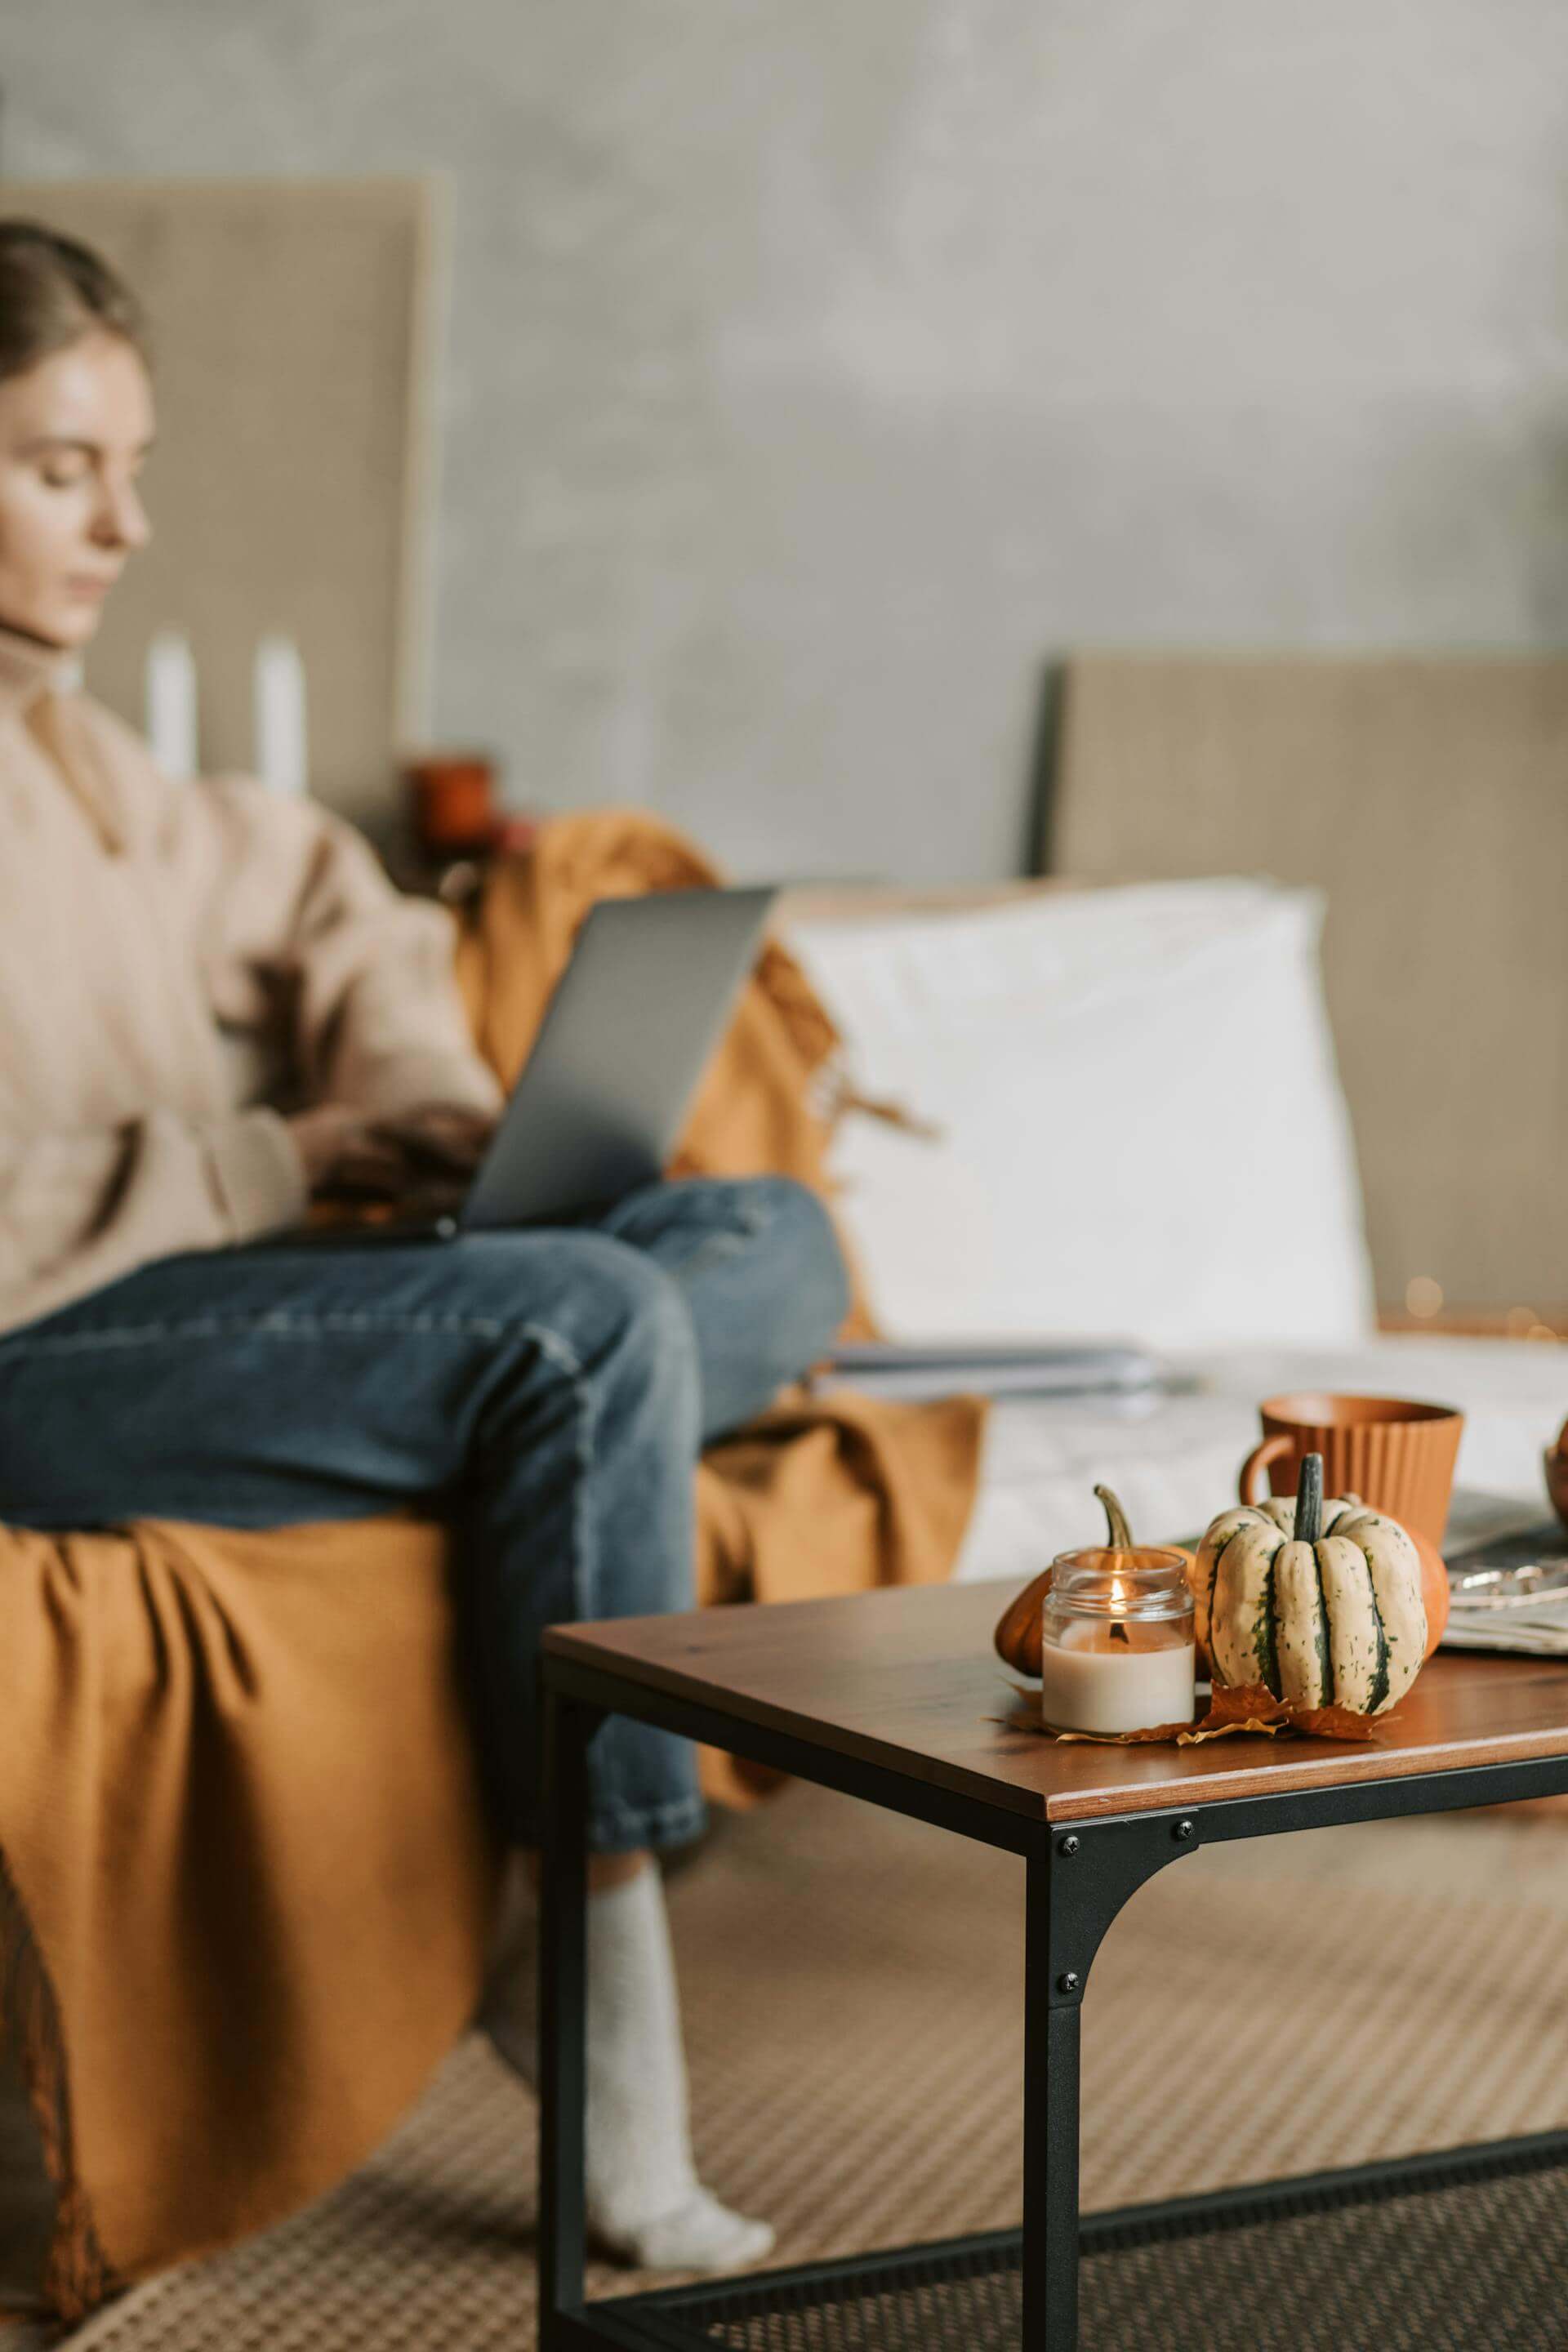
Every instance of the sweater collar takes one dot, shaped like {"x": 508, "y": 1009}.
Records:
{"x": 35, "y": 680}
{"x": 28, "y": 669}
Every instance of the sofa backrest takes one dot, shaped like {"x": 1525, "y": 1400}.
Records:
{"x": 1428, "y": 798}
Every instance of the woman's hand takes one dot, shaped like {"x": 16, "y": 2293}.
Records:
{"x": 439, "y": 1139}
{"x": 340, "y": 1151}
{"x": 437, "y": 1146}
{"x": 387, "y": 1159}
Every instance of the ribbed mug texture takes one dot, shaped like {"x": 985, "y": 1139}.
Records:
{"x": 1397, "y": 1454}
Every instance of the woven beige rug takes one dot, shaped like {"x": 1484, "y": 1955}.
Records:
{"x": 852, "y": 1986}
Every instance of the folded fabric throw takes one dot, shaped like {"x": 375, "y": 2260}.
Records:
{"x": 245, "y": 1884}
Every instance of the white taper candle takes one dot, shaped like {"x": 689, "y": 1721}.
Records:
{"x": 171, "y": 696}
{"x": 280, "y": 752}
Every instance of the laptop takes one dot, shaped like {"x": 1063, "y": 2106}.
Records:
{"x": 599, "y": 1107}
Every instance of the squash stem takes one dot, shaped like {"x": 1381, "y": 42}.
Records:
{"x": 1118, "y": 1534}
{"x": 1310, "y": 1499}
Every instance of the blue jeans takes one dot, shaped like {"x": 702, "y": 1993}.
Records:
{"x": 544, "y": 1391}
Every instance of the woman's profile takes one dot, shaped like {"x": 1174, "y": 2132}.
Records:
{"x": 216, "y": 1006}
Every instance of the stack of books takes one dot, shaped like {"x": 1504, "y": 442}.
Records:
{"x": 916, "y": 1369}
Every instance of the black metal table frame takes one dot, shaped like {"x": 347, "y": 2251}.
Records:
{"x": 1078, "y": 1877}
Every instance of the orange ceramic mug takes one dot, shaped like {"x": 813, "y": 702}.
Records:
{"x": 1397, "y": 1454}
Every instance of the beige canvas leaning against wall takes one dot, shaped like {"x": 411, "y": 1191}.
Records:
{"x": 289, "y": 489}
{"x": 1428, "y": 797}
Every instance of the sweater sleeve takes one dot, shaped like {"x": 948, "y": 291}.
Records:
{"x": 378, "y": 1022}
{"x": 79, "y": 1209}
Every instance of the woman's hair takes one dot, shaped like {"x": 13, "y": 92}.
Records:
{"x": 52, "y": 292}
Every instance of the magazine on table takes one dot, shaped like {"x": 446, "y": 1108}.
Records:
{"x": 1508, "y": 1570}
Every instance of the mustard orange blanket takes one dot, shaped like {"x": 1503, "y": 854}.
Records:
{"x": 244, "y": 1890}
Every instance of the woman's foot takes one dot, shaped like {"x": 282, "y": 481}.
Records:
{"x": 645, "y": 2202}
{"x": 699, "y": 2235}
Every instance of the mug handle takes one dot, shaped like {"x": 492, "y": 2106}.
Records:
{"x": 1271, "y": 1450}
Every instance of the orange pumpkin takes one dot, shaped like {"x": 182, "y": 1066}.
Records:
{"x": 1018, "y": 1636}
{"x": 1434, "y": 1589}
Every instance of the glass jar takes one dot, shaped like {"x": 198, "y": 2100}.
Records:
{"x": 1117, "y": 1647}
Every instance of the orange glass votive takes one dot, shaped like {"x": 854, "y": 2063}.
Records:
{"x": 454, "y": 801}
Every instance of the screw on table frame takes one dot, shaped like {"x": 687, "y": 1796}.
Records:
{"x": 1090, "y": 1872}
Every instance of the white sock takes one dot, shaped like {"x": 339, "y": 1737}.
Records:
{"x": 644, "y": 2197}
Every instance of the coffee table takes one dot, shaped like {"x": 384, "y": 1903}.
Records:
{"x": 894, "y": 1697}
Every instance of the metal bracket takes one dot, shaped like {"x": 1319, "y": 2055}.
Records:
{"x": 1095, "y": 1868}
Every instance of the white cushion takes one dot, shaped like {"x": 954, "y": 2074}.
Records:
{"x": 1142, "y": 1132}
{"x": 1172, "y": 1457}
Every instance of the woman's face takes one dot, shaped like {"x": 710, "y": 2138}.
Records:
{"x": 73, "y": 432}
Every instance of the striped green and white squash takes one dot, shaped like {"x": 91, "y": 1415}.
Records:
{"x": 1319, "y": 1602}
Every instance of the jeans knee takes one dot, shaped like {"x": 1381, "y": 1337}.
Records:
{"x": 809, "y": 1252}
{"x": 798, "y": 1289}
{"x": 648, "y": 1334}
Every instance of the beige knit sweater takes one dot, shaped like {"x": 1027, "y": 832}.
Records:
{"x": 176, "y": 961}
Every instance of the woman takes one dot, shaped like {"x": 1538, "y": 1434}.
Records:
{"x": 215, "y": 1007}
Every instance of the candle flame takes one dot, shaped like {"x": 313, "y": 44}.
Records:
{"x": 1118, "y": 1596}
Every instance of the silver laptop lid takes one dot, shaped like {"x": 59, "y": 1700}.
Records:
{"x": 635, "y": 1016}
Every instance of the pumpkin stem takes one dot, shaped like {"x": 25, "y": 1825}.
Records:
{"x": 1118, "y": 1534}
{"x": 1310, "y": 1499}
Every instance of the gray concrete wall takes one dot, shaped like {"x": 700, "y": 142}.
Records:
{"x": 816, "y": 370}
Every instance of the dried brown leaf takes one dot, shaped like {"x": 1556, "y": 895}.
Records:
{"x": 1253, "y": 1710}
{"x": 1256, "y": 1706}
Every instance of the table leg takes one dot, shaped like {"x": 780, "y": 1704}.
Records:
{"x": 1050, "y": 2131}
{"x": 563, "y": 1977}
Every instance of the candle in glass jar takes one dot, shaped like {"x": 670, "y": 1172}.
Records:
{"x": 1117, "y": 1652}
{"x": 1093, "y": 1680}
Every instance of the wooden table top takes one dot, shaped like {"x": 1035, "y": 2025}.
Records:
{"x": 906, "y": 1678}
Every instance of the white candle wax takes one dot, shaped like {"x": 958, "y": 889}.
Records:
{"x": 280, "y": 755}
{"x": 170, "y": 691}
{"x": 1090, "y": 1681}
